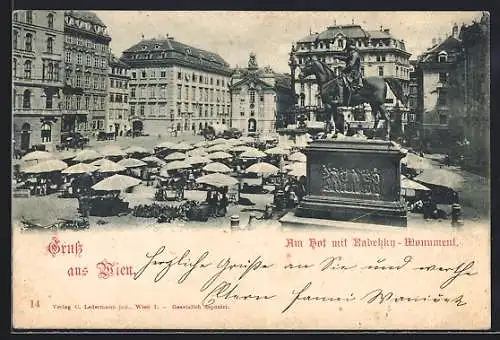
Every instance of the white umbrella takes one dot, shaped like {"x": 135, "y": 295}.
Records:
{"x": 197, "y": 152}
{"x": 217, "y": 167}
{"x": 277, "y": 151}
{"x": 87, "y": 155}
{"x": 112, "y": 151}
{"x": 154, "y": 160}
{"x": 80, "y": 168}
{"x": 109, "y": 166}
{"x": 201, "y": 144}
{"x": 131, "y": 163}
{"x": 241, "y": 148}
{"x": 441, "y": 177}
{"x": 217, "y": 180}
{"x": 198, "y": 160}
{"x": 67, "y": 154}
{"x": 37, "y": 156}
{"x": 137, "y": 149}
{"x": 297, "y": 157}
{"x": 253, "y": 154}
{"x": 246, "y": 139}
{"x": 296, "y": 166}
{"x": 116, "y": 183}
{"x": 262, "y": 168}
{"x": 219, "y": 155}
{"x": 299, "y": 171}
{"x": 217, "y": 141}
{"x": 48, "y": 165}
{"x": 234, "y": 142}
{"x": 175, "y": 156}
{"x": 218, "y": 147}
{"x": 181, "y": 146}
{"x": 407, "y": 183}
{"x": 164, "y": 145}
{"x": 177, "y": 165}
{"x": 99, "y": 162}
{"x": 416, "y": 162}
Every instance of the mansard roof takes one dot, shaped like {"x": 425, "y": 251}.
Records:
{"x": 86, "y": 16}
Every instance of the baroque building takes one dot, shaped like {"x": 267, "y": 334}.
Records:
{"x": 117, "y": 114}
{"x": 37, "y": 77}
{"x": 86, "y": 52}
{"x": 176, "y": 87}
{"x": 382, "y": 55}
{"x": 258, "y": 96}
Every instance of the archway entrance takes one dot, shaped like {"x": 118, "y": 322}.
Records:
{"x": 25, "y": 136}
{"x": 137, "y": 126}
{"x": 252, "y": 125}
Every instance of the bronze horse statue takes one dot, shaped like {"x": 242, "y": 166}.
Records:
{"x": 373, "y": 92}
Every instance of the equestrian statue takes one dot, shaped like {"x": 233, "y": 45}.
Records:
{"x": 351, "y": 89}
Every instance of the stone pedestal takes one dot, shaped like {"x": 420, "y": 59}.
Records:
{"x": 293, "y": 137}
{"x": 356, "y": 180}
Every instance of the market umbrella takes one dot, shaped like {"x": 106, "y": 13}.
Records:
{"x": 416, "y": 162}
{"x": 131, "y": 163}
{"x": 267, "y": 138}
{"x": 87, "y": 155}
{"x": 407, "y": 183}
{"x": 241, "y": 148}
{"x": 137, "y": 149}
{"x": 181, "y": 146}
{"x": 253, "y": 154}
{"x": 277, "y": 151}
{"x": 109, "y": 166}
{"x": 48, "y": 165}
{"x": 297, "y": 157}
{"x": 218, "y": 147}
{"x": 197, "y": 152}
{"x": 441, "y": 177}
{"x": 201, "y": 144}
{"x": 175, "y": 156}
{"x": 164, "y": 145}
{"x": 246, "y": 139}
{"x": 234, "y": 142}
{"x": 219, "y": 155}
{"x": 99, "y": 162}
{"x": 217, "y": 180}
{"x": 38, "y": 156}
{"x": 177, "y": 165}
{"x": 217, "y": 141}
{"x": 217, "y": 167}
{"x": 198, "y": 160}
{"x": 153, "y": 160}
{"x": 295, "y": 166}
{"x": 299, "y": 171}
{"x": 262, "y": 168}
{"x": 116, "y": 183}
{"x": 67, "y": 154}
{"x": 80, "y": 168}
{"x": 112, "y": 151}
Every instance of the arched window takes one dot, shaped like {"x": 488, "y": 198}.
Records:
{"x": 29, "y": 17}
{"x": 27, "y": 99}
{"x": 27, "y": 69}
{"x": 14, "y": 99}
{"x": 28, "y": 42}
{"x": 443, "y": 57}
{"x": 15, "y": 17}
{"x": 50, "y": 45}
{"x": 302, "y": 99}
{"x": 50, "y": 71}
{"x": 252, "y": 96}
{"x": 15, "y": 40}
{"x": 46, "y": 133}
{"x": 50, "y": 20}
{"x": 252, "y": 125}
{"x": 14, "y": 67}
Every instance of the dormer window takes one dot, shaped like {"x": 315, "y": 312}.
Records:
{"x": 188, "y": 50}
{"x": 157, "y": 47}
{"x": 442, "y": 57}
{"x": 144, "y": 47}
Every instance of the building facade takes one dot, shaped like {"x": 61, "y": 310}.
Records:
{"x": 382, "y": 55}
{"x": 438, "y": 88}
{"x": 86, "y": 53}
{"x": 117, "y": 117}
{"x": 476, "y": 75}
{"x": 176, "y": 87}
{"x": 37, "y": 77}
{"x": 258, "y": 96}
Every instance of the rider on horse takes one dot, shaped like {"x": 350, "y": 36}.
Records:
{"x": 352, "y": 71}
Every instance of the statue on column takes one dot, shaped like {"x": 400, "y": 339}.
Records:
{"x": 252, "y": 62}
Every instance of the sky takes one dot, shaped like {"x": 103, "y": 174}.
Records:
{"x": 233, "y": 35}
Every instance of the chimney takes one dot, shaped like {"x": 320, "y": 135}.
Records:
{"x": 434, "y": 42}
{"x": 142, "y": 36}
{"x": 440, "y": 40}
{"x": 387, "y": 30}
{"x": 353, "y": 21}
{"x": 381, "y": 28}
{"x": 454, "y": 31}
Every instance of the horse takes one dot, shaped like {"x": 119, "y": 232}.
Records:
{"x": 373, "y": 92}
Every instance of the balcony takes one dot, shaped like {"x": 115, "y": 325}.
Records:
{"x": 51, "y": 56}
{"x": 37, "y": 112}
{"x": 18, "y": 80}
